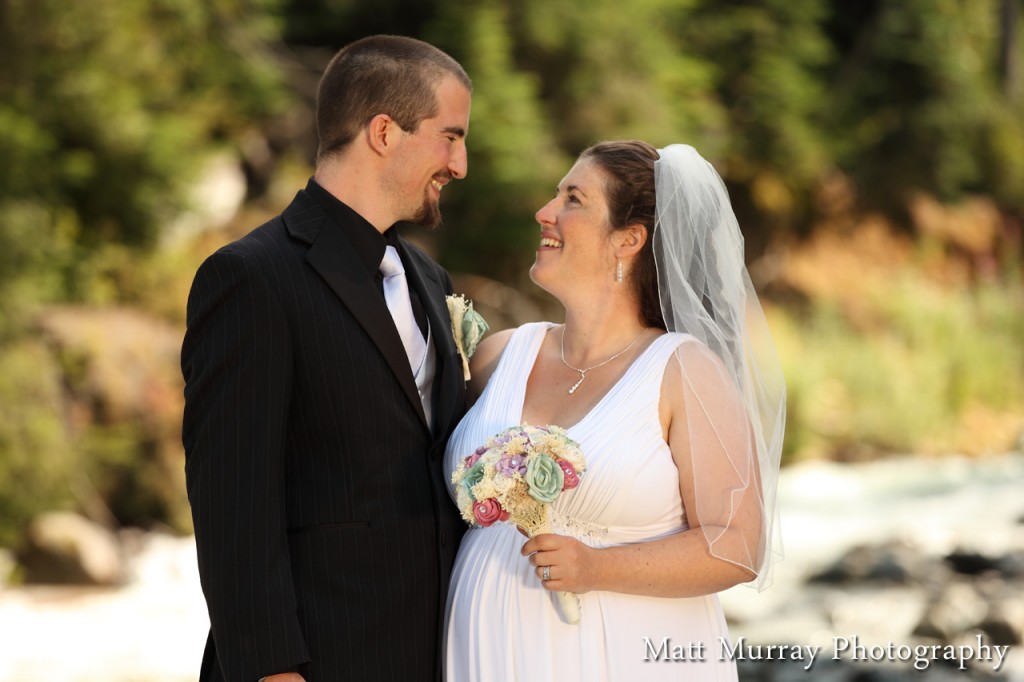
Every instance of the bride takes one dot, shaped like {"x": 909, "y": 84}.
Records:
{"x": 665, "y": 375}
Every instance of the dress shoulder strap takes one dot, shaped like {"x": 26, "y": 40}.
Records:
{"x": 522, "y": 348}
{"x": 506, "y": 387}
{"x": 651, "y": 364}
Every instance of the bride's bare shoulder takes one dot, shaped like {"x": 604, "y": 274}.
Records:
{"x": 485, "y": 359}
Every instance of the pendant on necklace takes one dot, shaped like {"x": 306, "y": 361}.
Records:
{"x": 577, "y": 384}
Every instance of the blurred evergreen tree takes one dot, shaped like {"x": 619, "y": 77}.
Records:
{"x": 107, "y": 108}
{"x": 741, "y": 81}
{"x": 903, "y": 96}
{"x": 38, "y": 459}
{"x": 612, "y": 72}
{"x": 769, "y": 59}
{"x": 514, "y": 159}
{"x": 916, "y": 102}
{"x": 550, "y": 79}
{"x": 331, "y": 24}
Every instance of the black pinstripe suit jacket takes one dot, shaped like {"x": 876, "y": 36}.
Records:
{"x": 324, "y": 531}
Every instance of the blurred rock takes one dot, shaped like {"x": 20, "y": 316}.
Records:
{"x": 213, "y": 199}
{"x": 124, "y": 403}
{"x": 971, "y": 563}
{"x": 879, "y": 674}
{"x": 1004, "y": 624}
{"x": 892, "y": 563}
{"x": 992, "y": 587}
{"x": 38, "y": 457}
{"x": 1009, "y": 564}
{"x": 953, "y": 611}
{"x": 64, "y": 548}
{"x": 119, "y": 363}
{"x": 888, "y": 612}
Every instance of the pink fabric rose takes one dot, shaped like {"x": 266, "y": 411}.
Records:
{"x": 572, "y": 479}
{"x": 488, "y": 511}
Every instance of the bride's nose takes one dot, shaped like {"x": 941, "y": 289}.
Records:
{"x": 546, "y": 214}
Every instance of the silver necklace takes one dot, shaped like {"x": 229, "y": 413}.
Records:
{"x": 583, "y": 372}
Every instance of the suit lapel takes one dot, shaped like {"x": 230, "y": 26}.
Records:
{"x": 333, "y": 258}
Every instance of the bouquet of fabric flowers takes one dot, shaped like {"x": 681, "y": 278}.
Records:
{"x": 515, "y": 477}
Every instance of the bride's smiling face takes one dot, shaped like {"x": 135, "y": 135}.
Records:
{"x": 575, "y": 247}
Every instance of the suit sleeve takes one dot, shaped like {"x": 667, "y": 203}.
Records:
{"x": 236, "y": 360}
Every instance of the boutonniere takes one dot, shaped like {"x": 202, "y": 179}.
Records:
{"x": 468, "y": 327}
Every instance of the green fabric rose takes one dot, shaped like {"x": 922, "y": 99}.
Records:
{"x": 473, "y": 329}
{"x": 472, "y": 476}
{"x": 544, "y": 478}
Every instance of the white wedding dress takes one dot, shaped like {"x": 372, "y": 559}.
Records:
{"x": 502, "y": 625}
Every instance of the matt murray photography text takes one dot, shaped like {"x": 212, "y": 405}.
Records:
{"x": 842, "y": 649}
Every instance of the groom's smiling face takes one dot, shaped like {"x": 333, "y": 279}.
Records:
{"x": 429, "y": 158}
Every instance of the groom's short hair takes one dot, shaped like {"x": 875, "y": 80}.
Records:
{"x": 393, "y": 75}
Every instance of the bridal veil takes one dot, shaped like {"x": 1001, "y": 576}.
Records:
{"x": 733, "y": 385}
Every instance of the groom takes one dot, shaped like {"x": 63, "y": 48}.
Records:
{"x": 321, "y": 383}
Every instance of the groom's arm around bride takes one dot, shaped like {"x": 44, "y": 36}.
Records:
{"x": 320, "y": 393}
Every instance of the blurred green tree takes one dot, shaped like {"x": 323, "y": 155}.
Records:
{"x": 919, "y": 101}
{"x": 610, "y": 73}
{"x": 514, "y": 158}
{"x": 38, "y": 462}
{"x": 775, "y": 93}
{"x": 108, "y": 107}
{"x": 768, "y": 61}
{"x": 550, "y": 79}
{"x": 330, "y": 24}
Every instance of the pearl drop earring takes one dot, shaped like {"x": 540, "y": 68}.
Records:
{"x": 618, "y": 270}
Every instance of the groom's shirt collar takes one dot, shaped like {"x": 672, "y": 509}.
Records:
{"x": 367, "y": 242}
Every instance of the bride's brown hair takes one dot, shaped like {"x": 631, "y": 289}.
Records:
{"x": 628, "y": 166}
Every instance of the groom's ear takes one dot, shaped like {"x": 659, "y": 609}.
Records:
{"x": 382, "y": 134}
{"x": 631, "y": 240}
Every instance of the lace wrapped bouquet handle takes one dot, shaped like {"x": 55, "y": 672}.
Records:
{"x": 515, "y": 477}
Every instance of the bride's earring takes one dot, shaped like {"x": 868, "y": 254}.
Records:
{"x": 618, "y": 270}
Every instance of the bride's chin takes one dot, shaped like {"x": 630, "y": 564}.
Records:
{"x": 537, "y": 275}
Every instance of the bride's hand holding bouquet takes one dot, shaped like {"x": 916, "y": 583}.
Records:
{"x": 515, "y": 477}
{"x": 562, "y": 562}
